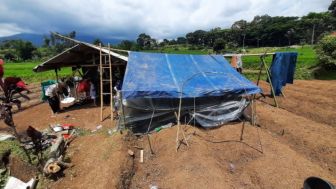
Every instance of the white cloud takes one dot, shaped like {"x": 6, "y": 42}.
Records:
{"x": 128, "y": 18}
{"x": 7, "y": 29}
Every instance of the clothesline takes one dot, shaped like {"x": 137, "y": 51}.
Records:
{"x": 260, "y": 54}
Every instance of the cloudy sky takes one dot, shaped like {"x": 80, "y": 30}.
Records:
{"x": 127, "y": 18}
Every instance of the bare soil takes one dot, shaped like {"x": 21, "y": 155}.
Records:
{"x": 288, "y": 144}
{"x": 314, "y": 100}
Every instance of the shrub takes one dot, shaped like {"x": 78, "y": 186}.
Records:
{"x": 326, "y": 50}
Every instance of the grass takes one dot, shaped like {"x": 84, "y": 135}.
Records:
{"x": 181, "y": 49}
{"x": 25, "y": 71}
{"x": 307, "y": 58}
{"x": 15, "y": 148}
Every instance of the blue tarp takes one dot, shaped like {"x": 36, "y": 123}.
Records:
{"x": 282, "y": 70}
{"x": 156, "y": 75}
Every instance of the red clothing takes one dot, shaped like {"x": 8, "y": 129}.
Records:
{"x": 1, "y": 68}
{"x": 83, "y": 86}
{"x": 11, "y": 83}
{"x": 1, "y": 71}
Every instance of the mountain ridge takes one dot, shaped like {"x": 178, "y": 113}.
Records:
{"x": 37, "y": 39}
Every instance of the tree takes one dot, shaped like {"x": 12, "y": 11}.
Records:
{"x": 72, "y": 34}
{"x": 290, "y": 33}
{"x": 219, "y": 45}
{"x": 46, "y": 41}
{"x": 97, "y": 42}
{"x": 59, "y": 44}
{"x": 18, "y": 48}
{"x": 240, "y": 27}
{"x": 144, "y": 40}
{"x": 326, "y": 49}
{"x": 25, "y": 49}
{"x": 332, "y": 7}
{"x": 181, "y": 40}
{"x": 126, "y": 44}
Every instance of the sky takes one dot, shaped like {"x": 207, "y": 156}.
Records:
{"x": 126, "y": 19}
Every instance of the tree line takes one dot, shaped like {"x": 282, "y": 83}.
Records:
{"x": 262, "y": 31}
{"x": 20, "y": 50}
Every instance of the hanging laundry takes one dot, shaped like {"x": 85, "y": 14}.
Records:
{"x": 239, "y": 63}
{"x": 282, "y": 70}
{"x": 234, "y": 61}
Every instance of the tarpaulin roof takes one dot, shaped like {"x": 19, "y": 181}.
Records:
{"x": 156, "y": 75}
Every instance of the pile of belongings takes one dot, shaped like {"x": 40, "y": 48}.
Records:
{"x": 55, "y": 140}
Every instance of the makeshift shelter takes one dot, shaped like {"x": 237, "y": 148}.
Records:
{"x": 161, "y": 88}
{"x": 80, "y": 55}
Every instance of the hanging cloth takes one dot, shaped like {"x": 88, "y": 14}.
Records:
{"x": 282, "y": 70}
{"x": 234, "y": 61}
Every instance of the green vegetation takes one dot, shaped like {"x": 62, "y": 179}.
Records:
{"x": 181, "y": 49}
{"x": 14, "y": 147}
{"x": 262, "y": 32}
{"x": 307, "y": 58}
{"x": 326, "y": 50}
{"x": 25, "y": 71}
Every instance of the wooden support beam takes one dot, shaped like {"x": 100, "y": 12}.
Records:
{"x": 101, "y": 83}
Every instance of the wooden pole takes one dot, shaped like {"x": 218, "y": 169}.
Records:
{"x": 270, "y": 82}
{"x": 260, "y": 69}
{"x": 111, "y": 86}
{"x": 56, "y": 72}
{"x": 253, "y": 108}
{"x": 101, "y": 83}
{"x": 242, "y": 131}
{"x": 122, "y": 110}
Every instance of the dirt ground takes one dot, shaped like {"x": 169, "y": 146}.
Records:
{"x": 314, "y": 100}
{"x": 288, "y": 144}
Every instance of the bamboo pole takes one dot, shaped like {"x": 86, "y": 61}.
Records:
{"x": 282, "y": 93}
{"x": 101, "y": 83}
{"x": 111, "y": 86}
{"x": 270, "y": 82}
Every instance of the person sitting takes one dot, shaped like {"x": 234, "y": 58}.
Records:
{"x": 53, "y": 93}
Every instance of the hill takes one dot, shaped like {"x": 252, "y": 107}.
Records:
{"x": 37, "y": 39}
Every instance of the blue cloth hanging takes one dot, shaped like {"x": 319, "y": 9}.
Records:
{"x": 282, "y": 70}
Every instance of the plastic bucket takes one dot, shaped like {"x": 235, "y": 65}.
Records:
{"x": 317, "y": 183}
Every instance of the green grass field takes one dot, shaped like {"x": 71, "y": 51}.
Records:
{"x": 307, "y": 59}
{"x": 25, "y": 71}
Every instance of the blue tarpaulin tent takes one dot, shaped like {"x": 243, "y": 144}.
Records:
{"x": 156, "y": 75}
{"x": 212, "y": 91}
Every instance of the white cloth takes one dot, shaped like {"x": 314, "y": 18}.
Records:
{"x": 50, "y": 90}
{"x": 239, "y": 61}
{"x": 14, "y": 183}
{"x": 92, "y": 91}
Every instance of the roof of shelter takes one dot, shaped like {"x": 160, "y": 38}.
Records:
{"x": 156, "y": 75}
{"x": 79, "y": 55}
